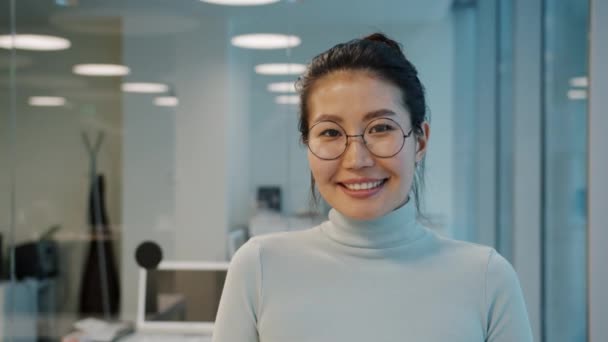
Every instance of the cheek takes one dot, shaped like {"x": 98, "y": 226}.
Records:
{"x": 322, "y": 171}
{"x": 402, "y": 168}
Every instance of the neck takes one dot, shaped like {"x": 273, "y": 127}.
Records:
{"x": 393, "y": 229}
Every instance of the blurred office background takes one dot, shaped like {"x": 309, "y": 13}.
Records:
{"x": 146, "y": 120}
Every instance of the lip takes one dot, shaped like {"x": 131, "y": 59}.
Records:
{"x": 361, "y": 180}
{"x": 362, "y": 194}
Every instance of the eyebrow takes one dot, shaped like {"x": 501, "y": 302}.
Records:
{"x": 369, "y": 116}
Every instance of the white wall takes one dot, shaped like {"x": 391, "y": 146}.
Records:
{"x": 185, "y": 169}
{"x": 238, "y": 97}
{"x": 276, "y": 156}
{"x": 201, "y": 195}
{"x": 464, "y": 94}
{"x": 148, "y": 160}
{"x": 431, "y": 50}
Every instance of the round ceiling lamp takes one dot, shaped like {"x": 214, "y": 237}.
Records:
{"x": 282, "y": 87}
{"x": 34, "y": 42}
{"x": 266, "y": 41}
{"x": 241, "y": 2}
{"x": 46, "y": 101}
{"x": 101, "y": 70}
{"x": 280, "y": 69}
{"x": 166, "y": 101}
{"x": 143, "y": 87}
{"x": 287, "y": 99}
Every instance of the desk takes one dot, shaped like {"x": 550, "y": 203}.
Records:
{"x": 148, "y": 337}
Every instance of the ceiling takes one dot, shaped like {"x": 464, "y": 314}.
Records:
{"x": 31, "y": 13}
{"x": 96, "y": 31}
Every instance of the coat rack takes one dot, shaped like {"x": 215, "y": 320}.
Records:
{"x": 102, "y": 272}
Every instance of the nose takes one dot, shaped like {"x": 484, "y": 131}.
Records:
{"x": 357, "y": 155}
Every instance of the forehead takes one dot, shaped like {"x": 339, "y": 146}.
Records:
{"x": 350, "y": 97}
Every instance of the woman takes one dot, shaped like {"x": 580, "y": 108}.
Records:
{"x": 370, "y": 273}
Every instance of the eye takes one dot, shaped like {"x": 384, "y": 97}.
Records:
{"x": 330, "y": 133}
{"x": 381, "y": 128}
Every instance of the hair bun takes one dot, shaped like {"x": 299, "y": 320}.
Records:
{"x": 382, "y": 38}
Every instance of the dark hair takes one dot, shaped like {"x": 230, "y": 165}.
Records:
{"x": 384, "y": 58}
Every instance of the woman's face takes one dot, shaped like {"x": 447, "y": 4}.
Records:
{"x": 353, "y": 99}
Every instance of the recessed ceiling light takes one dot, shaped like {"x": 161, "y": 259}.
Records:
{"x": 581, "y": 81}
{"x": 66, "y": 2}
{"x": 46, "y": 101}
{"x": 241, "y": 2}
{"x": 577, "y": 94}
{"x": 265, "y": 41}
{"x": 287, "y": 99}
{"x": 280, "y": 69}
{"x": 140, "y": 87}
{"x": 282, "y": 87}
{"x": 101, "y": 69}
{"x": 166, "y": 101}
{"x": 34, "y": 42}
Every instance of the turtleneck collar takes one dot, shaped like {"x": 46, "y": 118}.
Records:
{"x": 393, "y": 229}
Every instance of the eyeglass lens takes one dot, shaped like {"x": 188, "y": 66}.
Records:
{"x": 383, "y": 137}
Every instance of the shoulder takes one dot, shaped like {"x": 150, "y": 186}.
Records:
{"x": 280, "y": 238}
{"x": 261, "y": 246}
{"x": 480, "y": 259}
{"x": 246, "y": 260}
{"x": 264, "y": 255}
{"x": 498, "y": 273}
{"x": 464, "y": 251}
{"x": 291, "y": 238}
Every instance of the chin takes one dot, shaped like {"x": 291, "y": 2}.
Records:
{"x": 364, "y": 214}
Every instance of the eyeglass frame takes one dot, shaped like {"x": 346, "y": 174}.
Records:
{"x": 405, "y": 136}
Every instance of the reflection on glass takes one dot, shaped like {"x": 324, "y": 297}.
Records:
{"x": 191, "y": 131}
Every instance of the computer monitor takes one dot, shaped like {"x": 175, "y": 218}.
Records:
{"x": 180, "y": 297}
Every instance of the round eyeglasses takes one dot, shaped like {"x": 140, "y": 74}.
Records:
{"x": 383, "y": 137}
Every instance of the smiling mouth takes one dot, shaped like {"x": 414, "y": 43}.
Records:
{"x": 364, "y": 186}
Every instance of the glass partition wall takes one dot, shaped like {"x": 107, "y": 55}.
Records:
{"x": 9, "y": 64}
{"x": 167, "y": 122}
{"x": 130, "y": 125}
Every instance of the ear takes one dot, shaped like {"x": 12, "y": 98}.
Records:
{"x": 422, "y": 141}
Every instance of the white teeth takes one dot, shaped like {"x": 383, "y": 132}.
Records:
{"x": 363, "y": 186}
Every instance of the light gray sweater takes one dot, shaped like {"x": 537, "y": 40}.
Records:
{"x": 389, "y": 279}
